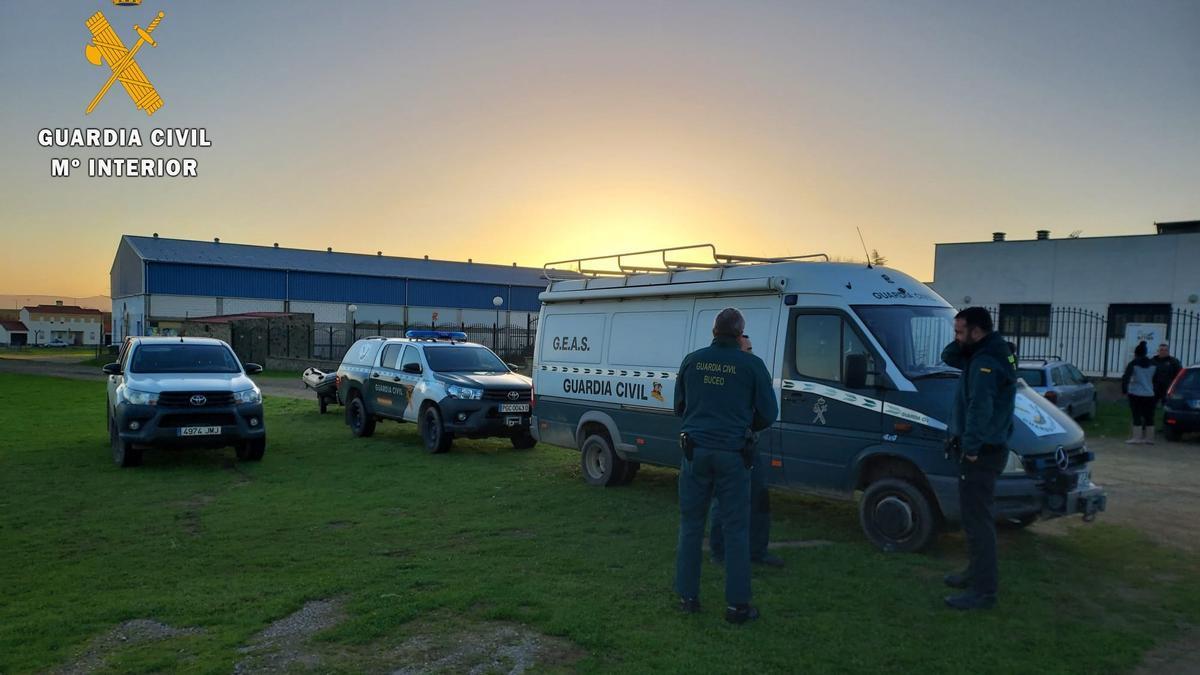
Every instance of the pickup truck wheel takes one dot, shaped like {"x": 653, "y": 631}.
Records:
{"x": 433, "y": 432}
{"x": 523, "y": 442}
{"x": 896, "y": 516}
{"x": 600, "y": 463}
{"x": 251, "y": 451}
{"x": 124, "y": 454}
{"x": 361, "y": 423}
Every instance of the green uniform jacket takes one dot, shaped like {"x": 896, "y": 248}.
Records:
{"x": 721, "y": 392}
{"x": 987, "y": 392}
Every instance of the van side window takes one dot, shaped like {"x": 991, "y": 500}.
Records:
{"x": 822, "y": 343}
{"x": 390, "y": 354}
{"x": 411, "y": 355}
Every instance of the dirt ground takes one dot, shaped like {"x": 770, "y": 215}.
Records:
{"x": 1152, "y": 488}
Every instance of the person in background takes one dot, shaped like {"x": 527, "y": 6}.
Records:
{"x": 1138, "y": 384}
{"x": 760, "y": 507}
{"x": 1166, "y": 368}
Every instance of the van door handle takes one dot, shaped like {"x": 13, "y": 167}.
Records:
{"x": 375, "y": 375}
{"x": 395, "y": 379}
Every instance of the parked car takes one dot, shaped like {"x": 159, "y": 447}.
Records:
{"x": 1181, "y": 407}
{"x": 182, "y": 392}
{"x": 1061, "y": 383}
{"x": 450, "y": 387}
{"x": 58, "y": 342}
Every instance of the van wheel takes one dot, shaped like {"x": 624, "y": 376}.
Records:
{"x": 361, "y": 424}
{"x": 1173, "y": 434}
{"x": 437, "y": 439}
{"x": 896, "y": 516}
{"x": 124, "y": 454}
{"x": 251, "y": 451}
{"x": 601, "y": 465}
{"x": 523, "y": 442}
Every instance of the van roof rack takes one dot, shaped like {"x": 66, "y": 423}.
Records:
{"x": 588, "y": 267}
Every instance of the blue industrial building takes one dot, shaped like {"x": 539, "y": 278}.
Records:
{"x": 156, "y": 283}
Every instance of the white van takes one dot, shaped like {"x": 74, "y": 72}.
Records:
{"x": 855, "y": 353}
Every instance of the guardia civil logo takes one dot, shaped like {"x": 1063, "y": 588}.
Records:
{"x": 106, "y": 47}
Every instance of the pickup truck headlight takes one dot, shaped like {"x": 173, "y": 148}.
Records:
{"x": 247, "y": 396}
{"x": 136, "y": 397}
{"x": 1014, "y": 466}
{"x": 466, "y": 393}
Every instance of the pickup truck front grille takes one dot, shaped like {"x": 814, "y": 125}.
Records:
{"x": 183, "y": 399}
{"x": 502, "y": 395}
{"x": 174, "y": 421}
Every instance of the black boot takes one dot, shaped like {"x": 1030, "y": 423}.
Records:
{"x": 959, "y": 580}
{"x": 740, "y": 614}
{"x": 968, "y": 601}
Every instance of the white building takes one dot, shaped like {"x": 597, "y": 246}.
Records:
{"x": 13, "y": 334}
{"x": 69, "y": 323}
{"x": 1073, "y": 297}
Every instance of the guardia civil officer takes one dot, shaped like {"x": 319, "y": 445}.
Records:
{"x": 979, "y": 430}
{"x": 724, "y": 395}
{"x": 760, "y": 508}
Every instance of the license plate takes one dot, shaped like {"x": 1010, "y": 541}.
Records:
{"x": 200, "y": 431}
{"x": 512, "y": 421}
{"x": 514, "y": 407}
{"x": 1085, "y": 479}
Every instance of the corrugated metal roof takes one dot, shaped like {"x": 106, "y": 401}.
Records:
{"x": 161, "y": 249}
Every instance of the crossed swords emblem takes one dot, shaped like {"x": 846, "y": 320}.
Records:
{"x": 106, "y": 45}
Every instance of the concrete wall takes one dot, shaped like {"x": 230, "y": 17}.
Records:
{"x": 181, "y": 306}
{"x": 1091, "y": 273}
{"x": 129, "y": 316}
{"x": 245, "y": 305}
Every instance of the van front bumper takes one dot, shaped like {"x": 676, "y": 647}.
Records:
{"x": 160, "y": 427}
{"x": 1023, "y": 496}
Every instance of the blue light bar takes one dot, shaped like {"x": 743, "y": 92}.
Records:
{"x": 435, "y": 335}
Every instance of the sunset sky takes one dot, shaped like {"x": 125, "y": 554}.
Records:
{"x": 528, "y": 132}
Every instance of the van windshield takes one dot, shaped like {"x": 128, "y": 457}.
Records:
{"x": 912, "y": 336}
{"x": 463, "y": 360}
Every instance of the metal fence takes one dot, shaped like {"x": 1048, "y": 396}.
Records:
{"x": 1081, "y": 337}
{"x": 510, "y": 342}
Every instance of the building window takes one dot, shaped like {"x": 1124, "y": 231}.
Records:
{"x": 1025, "y": 320}
{"x": 1119, "y": 315}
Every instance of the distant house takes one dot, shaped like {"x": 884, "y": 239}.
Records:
{"x": 70, "y": 323}
{"x": 13, "y": 333}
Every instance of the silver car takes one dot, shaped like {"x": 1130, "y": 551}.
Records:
{"x": 1061, "y": 383}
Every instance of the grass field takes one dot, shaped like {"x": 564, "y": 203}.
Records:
{"x": 427, "y": 553}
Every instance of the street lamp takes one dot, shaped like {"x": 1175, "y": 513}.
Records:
{"x": 497, "y": 302}
{"x": 354, "y": 329}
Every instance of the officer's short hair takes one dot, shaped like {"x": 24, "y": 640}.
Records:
{"x": 976, "y": 317}
{"x": 729, "y": 323}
